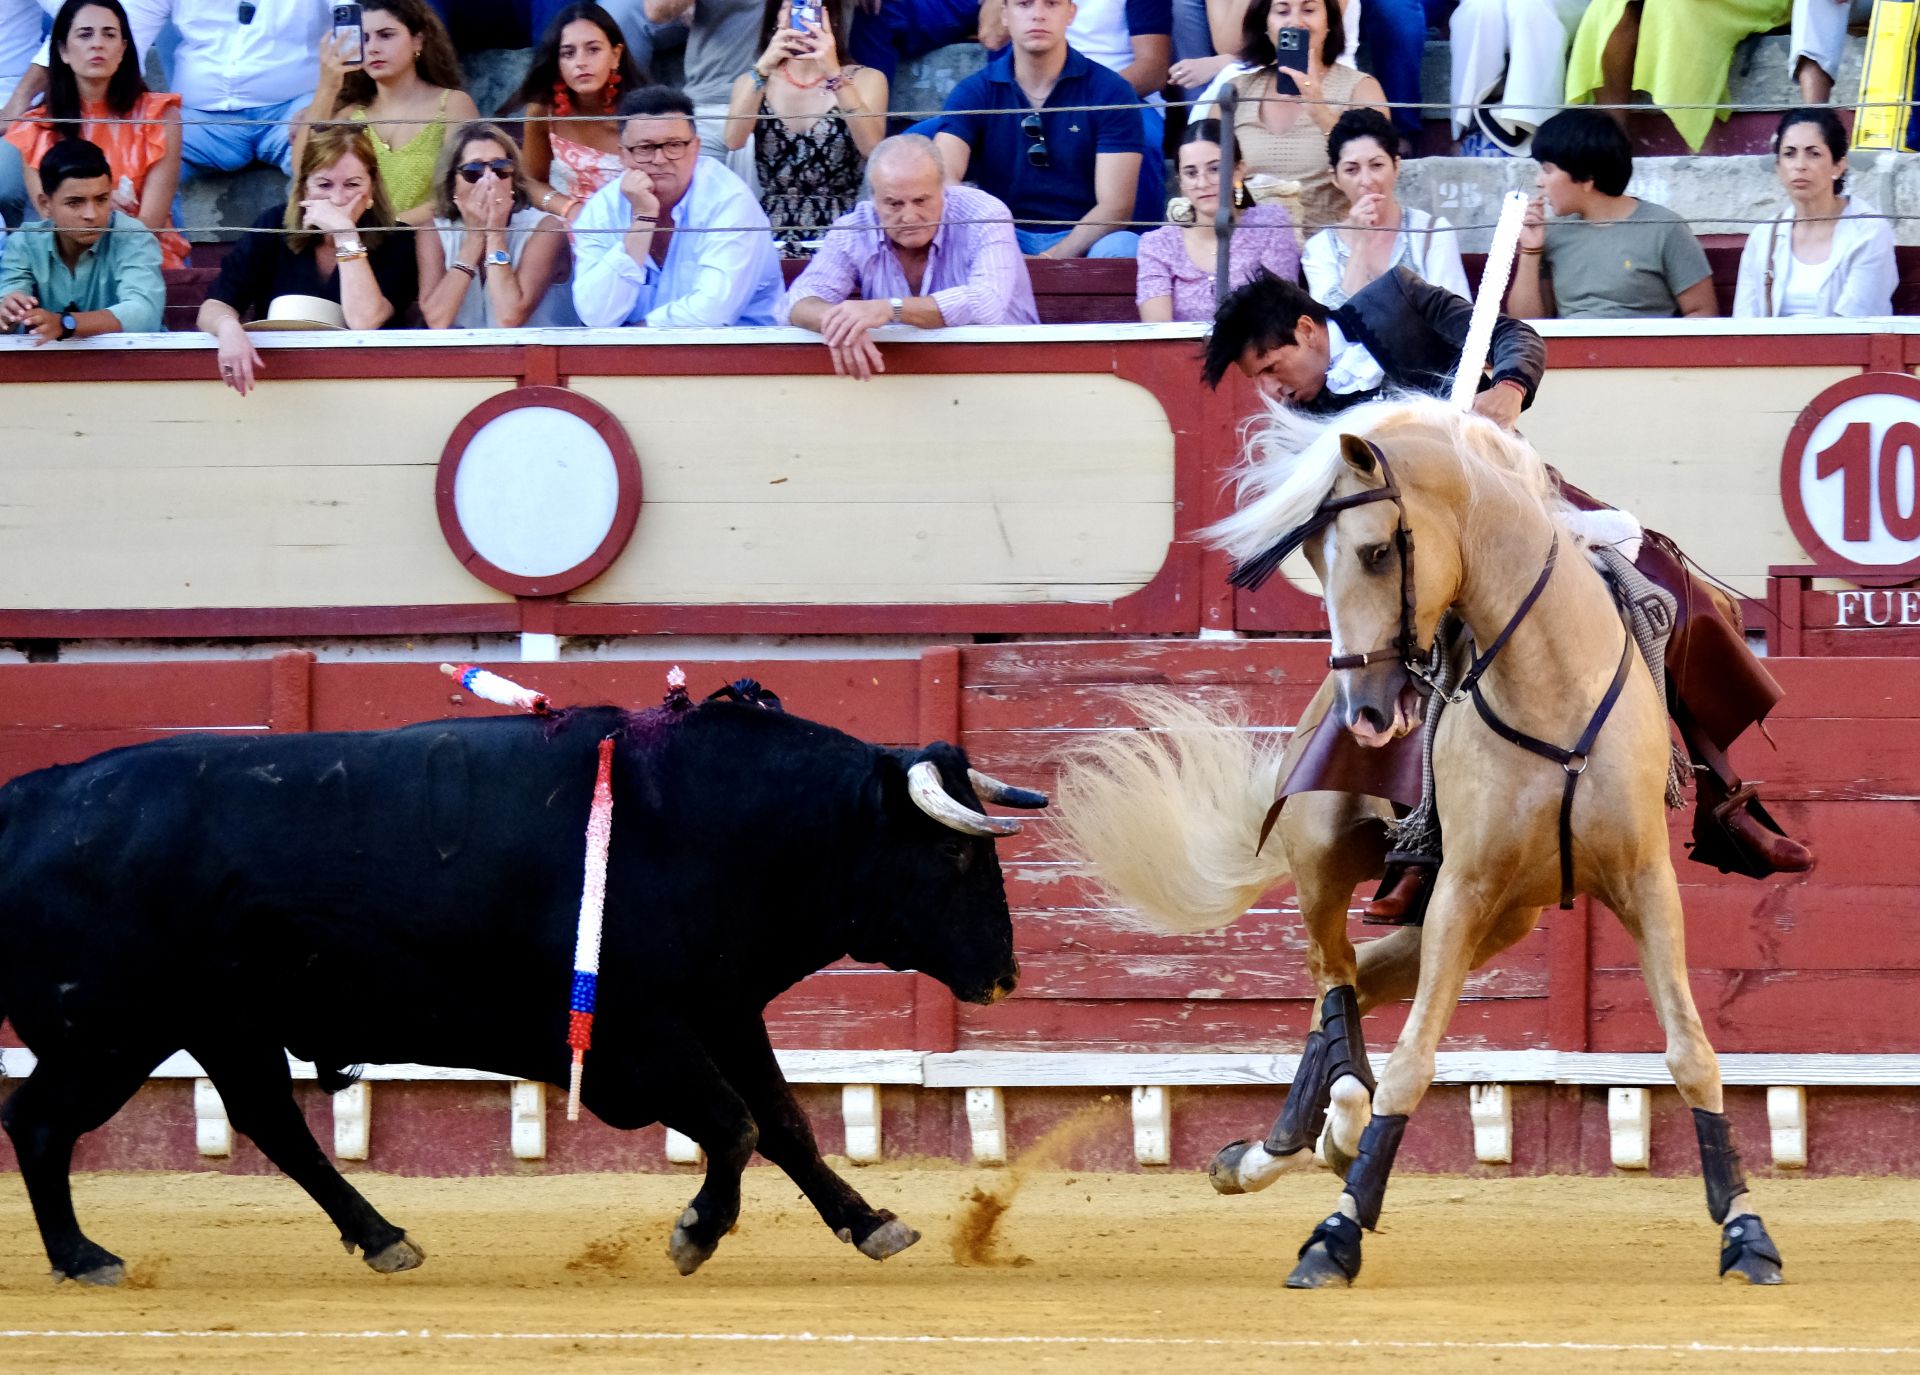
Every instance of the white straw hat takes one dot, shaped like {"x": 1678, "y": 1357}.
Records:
{"x": 302, "y": 312}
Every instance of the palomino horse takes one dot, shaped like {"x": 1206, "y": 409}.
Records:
{"x": 1552, "y": 782}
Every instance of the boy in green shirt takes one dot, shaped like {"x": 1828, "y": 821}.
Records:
{"x": 64, "y": 277}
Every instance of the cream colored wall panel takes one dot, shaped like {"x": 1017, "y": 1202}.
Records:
{"x": 1694, "y": 452}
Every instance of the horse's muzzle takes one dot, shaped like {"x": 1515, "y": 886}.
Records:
{"x": 1370, "y": 725}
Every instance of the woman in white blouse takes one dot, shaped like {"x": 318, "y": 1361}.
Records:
{"x": 1379, "y": 234}
{"x": 1833, "y": 255}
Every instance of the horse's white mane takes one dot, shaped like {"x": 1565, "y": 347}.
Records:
{"x": 1293, "y": 460}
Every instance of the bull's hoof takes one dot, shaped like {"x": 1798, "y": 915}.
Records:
{"x": 1747, "y": 1253}
{"x": 1331, "y": 1257}
{"x": 890, "y": 1238}
{"x": 396, "y": 1257}
{"x": 93, "y": 1265}
{"x": 1245, "y": 1167}
{"x": 683, "y": 1249}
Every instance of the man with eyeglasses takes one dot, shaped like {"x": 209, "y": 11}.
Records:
{"x": 1062, "y": 142}
{"x": 244, "y": 69}
{"x": 679, "y": 241}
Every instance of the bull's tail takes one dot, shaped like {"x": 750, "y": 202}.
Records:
{"x": 1167, "y": 818}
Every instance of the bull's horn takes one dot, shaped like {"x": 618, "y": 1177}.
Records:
{"x": 923, "y": 785}
{"x": 992, "y": 789}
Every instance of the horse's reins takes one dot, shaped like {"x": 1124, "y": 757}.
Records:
{"x": 1405, "y": 644}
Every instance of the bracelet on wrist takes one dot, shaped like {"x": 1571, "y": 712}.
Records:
{"x": 759, "y": 80}
{"x": 1532, "y": 252}
{"x": 473, "y": 273}
{"x": 648, "y": 220}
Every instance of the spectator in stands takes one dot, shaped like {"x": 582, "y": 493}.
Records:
{"x": 1606, "y": 253}
{"x": 1283, "y": 119}
{"x": 1041, "y": 150}
{"x": 632, "y": 268}
{"x": 23, "y": 23}
{"x": 1677, "y": 51}
{"x": 242, "y": 76}
{"x": 1834, "y": 254}
{"x": 721, "y": 44}
{"x": 1206, "y": 73}
{"x": 580, "y": 69}
{"x": 493, "y": 255}
{"x": 339, "y": 244}
{"x": 1819, "y": 42}
{"x": 1394, "y": 33}
{"x": 919, "y": 252}
{"x": 1131, "y": 37}
{"x": 407, "y": 90}
{"x": 1176, "y": 275}
{"x": 94, "y": 81}
{"x": 1509, "y": 70}
{"x": 65, "y": 276}
{"x": 812, "y": 123}
{"x": 888, "y": 32}
{"x": 1379, "y": 233}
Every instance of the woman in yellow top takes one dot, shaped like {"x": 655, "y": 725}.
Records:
{"x": 1281, "y": 124}
{"x": 407, "y": 89}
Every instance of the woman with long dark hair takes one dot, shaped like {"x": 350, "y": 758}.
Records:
{"x": 406, "y": 88}
{"x": 580, "y": 70}
{"x": 93, "y": 78}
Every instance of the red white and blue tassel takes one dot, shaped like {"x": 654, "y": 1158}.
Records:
{"x": 586, "y": 949}
{"x": 491, "y": 687}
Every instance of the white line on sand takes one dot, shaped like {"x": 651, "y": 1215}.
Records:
{"x": 936, "y": 1339}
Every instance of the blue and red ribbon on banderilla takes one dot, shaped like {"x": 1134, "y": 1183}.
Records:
{"x": 491, "y": 687}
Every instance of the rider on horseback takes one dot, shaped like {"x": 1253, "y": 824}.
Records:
{"x": 1400, "y": 333}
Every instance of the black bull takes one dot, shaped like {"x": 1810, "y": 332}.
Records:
{"x": 412, "y": 896}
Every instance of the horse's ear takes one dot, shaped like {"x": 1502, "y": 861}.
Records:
{"x": 1358, "y": 454}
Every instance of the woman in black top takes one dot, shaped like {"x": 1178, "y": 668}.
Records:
{"x": 339, "y": 242}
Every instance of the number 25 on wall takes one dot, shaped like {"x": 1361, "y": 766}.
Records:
{"x": 1850, "y": 476}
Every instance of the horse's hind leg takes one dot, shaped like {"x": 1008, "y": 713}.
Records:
{"x": 1652, "y": 916}
{"x": 257, "y": 1092}
{"x": 69, "y": 1094}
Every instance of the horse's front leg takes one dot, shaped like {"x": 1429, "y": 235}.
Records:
{"x": 1335, "y": 842}
{"x": 1457, "y": 923}
{"x": 1651, "y": 913}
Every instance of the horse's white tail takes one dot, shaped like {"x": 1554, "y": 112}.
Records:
{"x": 1167, "y": 817}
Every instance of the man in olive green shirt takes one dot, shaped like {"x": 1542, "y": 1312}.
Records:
{"x": 64, "y": 277}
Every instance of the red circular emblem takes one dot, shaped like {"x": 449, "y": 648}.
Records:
{"x": 1850, "y": 476}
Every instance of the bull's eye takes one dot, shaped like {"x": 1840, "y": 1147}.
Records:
{"x": 957, "y": 853}
{"x": 1374, "y": 557}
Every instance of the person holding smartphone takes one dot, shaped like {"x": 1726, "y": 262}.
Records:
{"x": 1290, "y": 100}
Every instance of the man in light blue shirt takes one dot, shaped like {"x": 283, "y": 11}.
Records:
{"x": 65, "y": 277}
{"x": 678, "y": 241}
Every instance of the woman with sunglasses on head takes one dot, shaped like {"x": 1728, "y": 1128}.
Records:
{"x": 1285, "y": 114}
{"x": 812, "y": 122}
{"x": 580, "y": 70}
{"x": 1379, "y": 234}
{"x": 93, "y": 82}
{"x": 1832, "y": 254}
{"x": 493, "y": 256}
{"x": 1176, "y": 280}
{"x": 406, "y": 87}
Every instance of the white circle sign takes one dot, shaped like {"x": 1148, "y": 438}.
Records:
{"x": 1856, "y": 478}
{"x": 537, "y": 491}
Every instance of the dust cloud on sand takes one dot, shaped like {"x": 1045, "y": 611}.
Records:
{"x": 976, "y": 1234}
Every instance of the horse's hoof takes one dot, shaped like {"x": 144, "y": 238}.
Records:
{"x": 402, "y": 1255}
{"x": 687, "y": 1254}
{"x": 100, "y": 1276}
{"x": 1747, "y": 1253}
{"x": 1329, "y": 1154}
{"x": 890, "y": 1238}
{"x": 1246, "y": 1167}
{"x": 1318, "y": 1270}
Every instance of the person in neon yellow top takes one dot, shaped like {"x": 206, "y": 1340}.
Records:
{"x": 407, "y": 88}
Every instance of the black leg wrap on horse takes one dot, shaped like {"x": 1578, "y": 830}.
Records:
{"x": 1719, "y": 1163}
{"x": 1745, "y": 1240}
{"x": 1341, "y": 1236}
{"x": 1346, "y": 1045}
{"x": 1305, "y": 1112}
{"x": 1367, "y": 1180}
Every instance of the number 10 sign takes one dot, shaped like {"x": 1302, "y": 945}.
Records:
{"x": 1850, "y": 477}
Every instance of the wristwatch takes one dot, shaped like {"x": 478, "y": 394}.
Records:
{"x": 68, "y": 325}
{"x": 498, "y": 258}
{"x": 897, "y": 305}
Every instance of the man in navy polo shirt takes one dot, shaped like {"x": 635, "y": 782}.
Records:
{"x": 1048, "y": 157}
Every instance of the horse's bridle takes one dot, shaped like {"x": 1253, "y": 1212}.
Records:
{"x": 1405, "y": 645}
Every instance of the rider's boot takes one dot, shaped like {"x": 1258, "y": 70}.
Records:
{"x": 1404, "y": 892}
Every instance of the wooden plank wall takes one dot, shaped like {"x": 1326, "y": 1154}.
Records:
{"x": 1825, "y": 963}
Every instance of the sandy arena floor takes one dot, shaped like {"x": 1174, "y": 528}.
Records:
{"x": 1109, "y": 1273}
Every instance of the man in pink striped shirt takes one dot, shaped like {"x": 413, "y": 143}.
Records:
{"x": 917, "y": 253}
